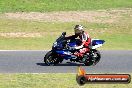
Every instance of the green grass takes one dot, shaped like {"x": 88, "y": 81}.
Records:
{"x": 117, "y": 35}
{"x": 51, "y": 80}
{"x": 60, "y": 5}
{"x": 113, "y": 42}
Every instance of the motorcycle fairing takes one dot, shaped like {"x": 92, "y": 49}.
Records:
{"x": 73, "y": 44}
{"x": 65, "y": 54}
{"x": 96, "y": 43}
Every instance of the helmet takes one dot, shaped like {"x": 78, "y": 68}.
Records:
{"x": 78, "y": 29}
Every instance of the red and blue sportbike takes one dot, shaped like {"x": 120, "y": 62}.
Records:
{"x": 61, "y": 50}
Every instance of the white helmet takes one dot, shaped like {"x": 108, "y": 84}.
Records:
{"x": 78, "y": 29}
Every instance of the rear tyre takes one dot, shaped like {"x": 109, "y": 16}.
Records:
{"x": 93, "y": 59}
{"x": 88, "y": 63}
{"x": 97, "y": 56}
{"x": 50, "y": 59}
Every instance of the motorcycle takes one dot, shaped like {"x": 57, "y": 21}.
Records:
{"x": 61, "y": 50}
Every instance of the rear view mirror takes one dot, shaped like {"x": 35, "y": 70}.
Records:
{"x": 64, "y": 33}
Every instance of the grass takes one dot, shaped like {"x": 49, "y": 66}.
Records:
{"x": 48, "y": 81}
{"x": 117, "y": 35}
{"x": 60, "y": 5}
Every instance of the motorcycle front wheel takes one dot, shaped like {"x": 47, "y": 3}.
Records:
{"x": 50, "y": 59}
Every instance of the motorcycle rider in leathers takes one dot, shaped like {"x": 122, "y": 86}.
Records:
{"x": 83, "y": 37}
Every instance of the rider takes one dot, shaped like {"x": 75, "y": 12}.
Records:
{"x": 85, "y": 40}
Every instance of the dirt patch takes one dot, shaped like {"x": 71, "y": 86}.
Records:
{"x": 20, "y": 34}
{"x": 27, "y": 34}
{"x": 99, "y": 16}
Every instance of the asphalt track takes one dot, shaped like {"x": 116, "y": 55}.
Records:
{"x": 112, "y": 61}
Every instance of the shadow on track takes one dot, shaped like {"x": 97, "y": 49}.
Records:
{"x": 63, "y": 64}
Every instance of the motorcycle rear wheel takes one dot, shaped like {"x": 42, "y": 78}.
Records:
{"x": 90, "y": 61}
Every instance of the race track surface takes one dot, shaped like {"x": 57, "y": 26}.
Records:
{"x": 112, "y": 61}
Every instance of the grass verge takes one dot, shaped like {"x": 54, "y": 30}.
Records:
{"x": 117, "y": 35}
{"x": 50, "y": 80}
{"x": 60, "y": 5}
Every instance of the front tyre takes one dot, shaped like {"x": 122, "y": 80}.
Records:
{"x": 50, "y": 59}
